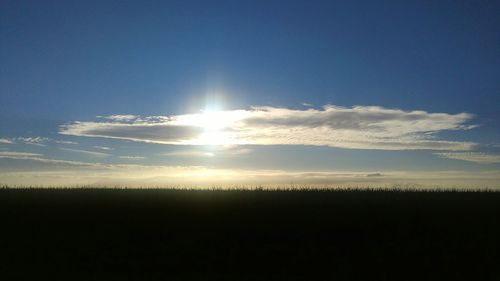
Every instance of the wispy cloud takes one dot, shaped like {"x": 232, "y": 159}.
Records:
{"x": 143, "y": 131}
{"x": 359, "y": 127}
{"x": 127, "y": 117}
{"x": 19, "y": 155}
{"x": 374, "y": 175}
{"x": 24, "y": 168}
{"x": 5, "y": 141}
{"x": 189, "y": 153}
{"x": 49, "y": 172}
{"x": 477, "y": 157}
{"x": 36, "y": 157}
{"x": 104, "y": 147}
{"x": 65, "y": 142}
{"x": 93, "y": 153}
{"x": 238, "y": 151}
{"x": 210, "y": 151}
{"x": 132, "y": 157}
{"x": 39, "y": 141}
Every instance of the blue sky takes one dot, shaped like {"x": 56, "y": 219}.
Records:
{"x": 334, "y": 92}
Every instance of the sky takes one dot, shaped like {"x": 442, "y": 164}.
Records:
{"x": 236, "y": 93}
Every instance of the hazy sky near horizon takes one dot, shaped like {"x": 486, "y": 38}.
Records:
{"x": 250, "y": 92}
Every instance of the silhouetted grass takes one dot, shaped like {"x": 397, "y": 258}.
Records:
{"x": 259, "y": 234}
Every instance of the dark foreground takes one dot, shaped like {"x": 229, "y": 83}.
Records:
{"x": 248, "y": 235}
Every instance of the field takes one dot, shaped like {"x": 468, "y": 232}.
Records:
{"x": 130, "y": 234}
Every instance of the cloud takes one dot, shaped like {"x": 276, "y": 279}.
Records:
{"x": 65, "y": 142}
{"x": 211, "y": 151}
{"x": 143, "y": 131}
{"x": 24, "y": 168}
{"x": 38, "y": 158}
{"x": 374, "y": 175}
{"x": 104, "y": 147}
{"x": 477, "y": 157}
{"x": 6, "y": 141}
{"x": 372, "y": 118}
{"x": 39, "y": 141}
{"x": 52, "y": 172}
{"x": 132, "y": 157}
{"x": 359, "y": 127}
{"x": 18, "y": 155}
{"x": 127, "y": 117}
{"x": 189, "y": 153}
{"x": 238, "y": 151}
{"x": 93, "y": 153}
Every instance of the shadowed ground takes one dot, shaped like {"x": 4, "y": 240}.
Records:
{"x": 104, "y": 234}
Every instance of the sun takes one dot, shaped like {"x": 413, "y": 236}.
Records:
{"x": 212, "y": 120}
{"x": 214, "y": 124}
{"x": 217, "y": 125}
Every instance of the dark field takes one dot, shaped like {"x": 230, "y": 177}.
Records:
{"x": 103, "y": 234}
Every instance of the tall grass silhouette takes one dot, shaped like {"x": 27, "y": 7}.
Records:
{"x": 249, "y": 234}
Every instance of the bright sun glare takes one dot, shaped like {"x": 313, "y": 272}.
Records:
{"x": 214, "y": 123}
